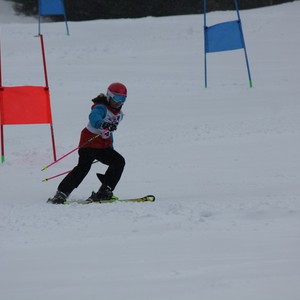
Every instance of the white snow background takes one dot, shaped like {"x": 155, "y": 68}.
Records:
{"x": 223, "y": 162}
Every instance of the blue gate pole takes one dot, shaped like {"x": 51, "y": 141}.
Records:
{"x": 242, "y": 36}
{"x": 67, "y": 27}
{"x": 205, "y": 60}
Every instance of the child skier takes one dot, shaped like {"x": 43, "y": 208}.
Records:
{"x": 96, "y": 143}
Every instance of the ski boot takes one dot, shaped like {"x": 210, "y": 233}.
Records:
{"x": 59, "y": 198}
{"x": 104, "y": 193}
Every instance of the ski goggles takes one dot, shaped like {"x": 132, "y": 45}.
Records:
{"x": 117, "y": 97}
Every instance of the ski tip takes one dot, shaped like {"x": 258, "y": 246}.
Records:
{"x": 45, "y": 168}
{"x": 150, "y": 198}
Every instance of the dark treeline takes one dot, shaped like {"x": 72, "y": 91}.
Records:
{"x": 79, "y": 10}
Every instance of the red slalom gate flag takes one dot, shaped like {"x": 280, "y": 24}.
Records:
{"x": 25, "y": 105}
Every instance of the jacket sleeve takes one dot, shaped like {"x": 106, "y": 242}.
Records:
{"x": 97, "y": 115}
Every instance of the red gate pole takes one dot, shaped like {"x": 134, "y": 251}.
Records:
{"x": 53, "y": 141}
{"x": 47, "y": 88}
{"x": 1, "y": 129}
{"x": 2, "y": 145}
{"x": 44, "y": 61}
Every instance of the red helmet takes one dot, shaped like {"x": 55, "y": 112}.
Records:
{"x": 117, "y": 88}
{"x": 116, "y": 95}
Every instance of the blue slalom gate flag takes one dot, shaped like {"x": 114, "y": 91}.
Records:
{"x": 224, "y": 36}
{"x": 52, "y": 7}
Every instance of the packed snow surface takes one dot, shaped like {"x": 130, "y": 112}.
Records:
{"x": 223, "y": 162}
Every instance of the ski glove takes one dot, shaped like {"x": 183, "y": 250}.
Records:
{"x": 109, "y": 126}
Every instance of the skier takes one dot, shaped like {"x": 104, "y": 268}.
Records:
{"x": 96, "y": 143}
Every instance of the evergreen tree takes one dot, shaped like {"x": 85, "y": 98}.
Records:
{"x": 78, "y": 10}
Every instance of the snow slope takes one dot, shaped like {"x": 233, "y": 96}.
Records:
{"x": 223, "y": 162}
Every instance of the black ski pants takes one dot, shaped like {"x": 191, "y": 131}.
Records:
{"x": 107, "y": 156}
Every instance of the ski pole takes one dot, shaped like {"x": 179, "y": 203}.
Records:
{"x": 66, "y": 172}
{"x": 46, "y": 167}
{"x": 49, "y": 178}
{"x": 80, "y": 146}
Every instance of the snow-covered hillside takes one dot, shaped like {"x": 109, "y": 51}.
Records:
{"x": 223, "y": 162}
